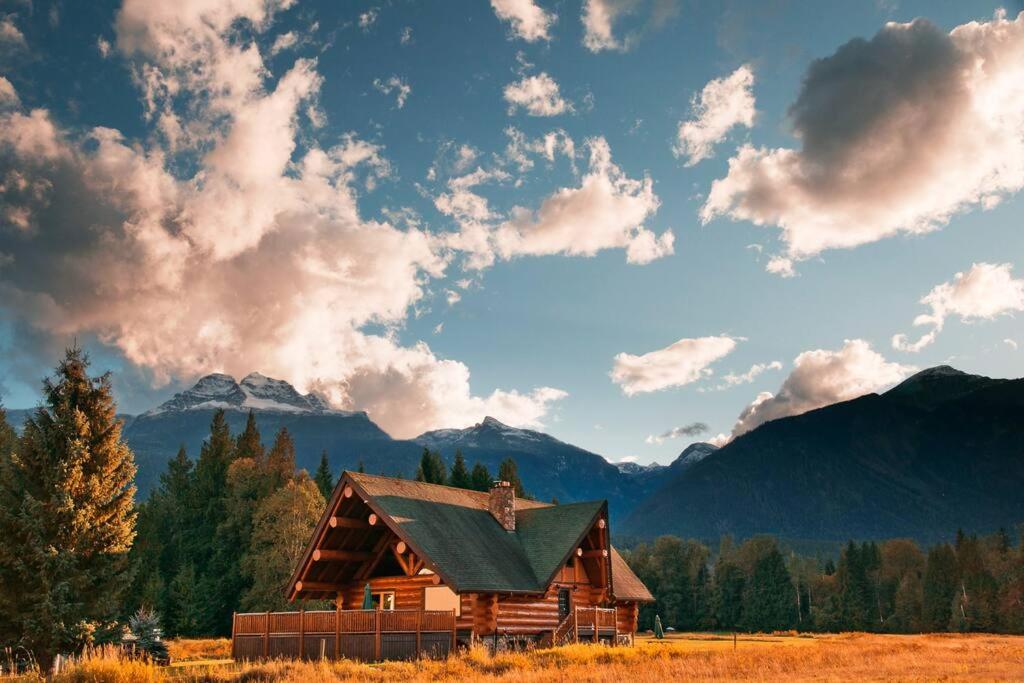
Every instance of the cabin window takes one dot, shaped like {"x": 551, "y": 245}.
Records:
{"x": 384, "y": 600}
{"x": 564, "y": 603}
{"x": 441, "y": 598}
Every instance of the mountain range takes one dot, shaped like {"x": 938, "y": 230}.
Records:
{"x": 940, "y": 451}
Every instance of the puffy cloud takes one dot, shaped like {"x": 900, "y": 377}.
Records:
{"x": 550, "y": 145}
{"x": 724, "y": 103}
{"x": 600, "y": 16}
{"x": 681, "y": 363}
{"x": 898, "y": 133}
{"x": 606, "y": 211}
{"x": 756, "y": 370}
{"x": 256, "y": 258}
{"x": 401, "y": 89}
{"x": 284, "y": 42}
{"x": 538, "y": 95}
{"x": 692, "y": 429}
{"x": 820, "y": 378}
{"x": 368, "y": 18}
{"x": 11, "y": 37}
{"x": 986, "y": 291}
{"x": 8, "y": 95}
{"x": 529, "y": 21}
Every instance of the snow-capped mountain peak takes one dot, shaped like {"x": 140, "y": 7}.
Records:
{"x": 255, "y": 392}
{"x": 488, "y": 432}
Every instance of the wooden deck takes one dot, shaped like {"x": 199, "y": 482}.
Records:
{"x": 365, "y": 635}
{"x": 589, "y": 624}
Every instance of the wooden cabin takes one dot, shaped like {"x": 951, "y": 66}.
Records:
{"x": 482, "y": 564}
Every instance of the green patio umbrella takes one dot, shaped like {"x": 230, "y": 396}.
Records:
{"x": 367, "y": 597}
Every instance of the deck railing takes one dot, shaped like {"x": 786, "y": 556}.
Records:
{"x": 368, "y": 635}
{"x": 587, "y": 623}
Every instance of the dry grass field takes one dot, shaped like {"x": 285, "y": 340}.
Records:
{"x": 697, "y": 657}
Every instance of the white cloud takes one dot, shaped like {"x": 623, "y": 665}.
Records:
{"x": 684, "y": 362}
{"x": 405, "y": 38}
{"x": 368, "y": 18}
{"x": 692, "y": 429}
{"x": 284, "y": 42}
{"x": 984, "y": 292}
{"x": 550, "y": 145}
{"x": 103, "y": 46}
{"x": 820, "y": 378}
{"x": 538, "y": 95}
{"x": 1011, "y": 343}
{"x": 724, "y": 103}
{"x": 528, "y": 20}
{"x": 606, "y": 211}
{"x": 11, "y": 37}
{"x": 600, "y": 17}
{"x": 8, "y": 95}
{"x": 259, "y": 260}
{"x": 941, "y": 133}
{"x": 401, "y": 89}
{"x": 756, "y": 370}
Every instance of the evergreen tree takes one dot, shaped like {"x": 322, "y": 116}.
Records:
{"x": 509, "y": 471}
{"x": 768, "y": 596}
{"x": 974, "y": 607}
{"x": 728, "y": 595}
{"x": 432, "y": 469}
{"x": 185, "y": 613}
{"x": 281, "y": 460}
{"x": 856, "y": 594}
{"x": 361, "y": 468}
{"x": 67, "y": 518}
{"x": 323, "y": 477}
{"x": 249, "y": 444}
{"x": 281, "y": 528}
{"x": 480, "y": 477}
{"x": 460, "y": 477}
{"x": 940, "y": 583}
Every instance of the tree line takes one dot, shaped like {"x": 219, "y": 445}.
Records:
{"x": 972, "y": 584}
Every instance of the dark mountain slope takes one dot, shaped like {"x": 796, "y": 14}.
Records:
{"x": 941, "y": 451}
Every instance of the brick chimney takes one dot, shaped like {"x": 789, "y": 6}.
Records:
{"x": 502, "y": 504}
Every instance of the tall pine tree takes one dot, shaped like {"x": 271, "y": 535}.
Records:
{"x": 480, "y": 478}
{"x": 509, "y": 471}
{"x": 940, "y": 583}
{"x": 323, "y": 477}
{"x": 460, "y": 477}
{"x": 281, "y": 460}
{"x": 67, "y": 517}
{"x": 432, "y": 469}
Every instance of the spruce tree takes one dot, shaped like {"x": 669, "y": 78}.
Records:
{"x": 323, "y": 477}
{"x": 509, "y": 471}
{"x": 940, "y": 584}
{"x": 856, "y": 594}
{"x": 460, "y": 477}
{"x": 728, "y": 596}
{"x": 432, "y": 469}
{"x": 480, "y": 478}
{"x": 249, "y": 444}
{"x": 768, "y": 603}
{"x": 67, "y": 516}
{"x": 281, "y": 460}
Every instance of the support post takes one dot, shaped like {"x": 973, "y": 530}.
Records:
{"x": 266, "y": 635}
{"x": 419, "y": 627}
{"x": 234, "y": 637}
{"x": 302, "y": 634}
{"x": 337, "y": 630}
{"x": 452, "y": 650}
{"x": 376, "y": 639}
{"x": 595, "y": 623}
{"x": 576, "y": 624}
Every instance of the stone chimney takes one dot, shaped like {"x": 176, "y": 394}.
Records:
{"x": 502, "y": 504}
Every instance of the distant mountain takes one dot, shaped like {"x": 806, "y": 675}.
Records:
{"x": 940, "y": 451}
{"x": 548, "y": 467}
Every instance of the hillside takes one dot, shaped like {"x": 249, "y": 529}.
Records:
{"x": 940, "y": 451}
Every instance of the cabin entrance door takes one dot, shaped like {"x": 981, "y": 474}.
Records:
{"x": 564, "y": 603}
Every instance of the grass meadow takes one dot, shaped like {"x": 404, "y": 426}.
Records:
{"x": 697, "y": 657}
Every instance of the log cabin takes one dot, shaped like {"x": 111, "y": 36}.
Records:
{"x": 504, "y": 568}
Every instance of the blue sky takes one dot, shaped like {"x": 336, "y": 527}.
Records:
{"x": 367, "y": 318}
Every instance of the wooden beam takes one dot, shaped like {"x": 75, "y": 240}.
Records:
{"x": 373, "y": 519}
{"x": 348, "y": 523}
{"x": 400, "y": 547}
{"x": 400, "y": 558}
{"x": 347, "y": 492}
{"x": 377, "y": 555}
{"x": 316, "y": 587}
{"x": 320, "y": 555}
{"x": 600, "y": 552}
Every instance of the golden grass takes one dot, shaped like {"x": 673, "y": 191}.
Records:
{"x": 190, "y": 650}
{"x": 697, "y": 657}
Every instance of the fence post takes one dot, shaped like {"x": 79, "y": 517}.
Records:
{"x": 376, "y": 639}
{"x": 266, "y": 635}
{"x": 452, "y": 650}
{"x": 595, "y": 623}
{"x": 419, "y": 629}
{"x": 337, "y": 633}
{"x": 234, "y": 629}
{"x": 302, "y": 633}
{"x": 576, "y": 624}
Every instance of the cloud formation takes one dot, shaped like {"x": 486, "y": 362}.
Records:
{"x": 724, "y": 103}
{"x": 679, "y": 364}
{"x": 538, "y": 95}
{"x": 527, "y": 19}
{"x": 733, "y": 379}
{"x": 258, "y": 259}
{"x": 600, "y": 17}
{"x": 820, "y": 378}
{"x": 692, "y": 429}
{"x": 394, "y": 84}
{"x": 986, "y": 291}
{"x": 898, "y": 134}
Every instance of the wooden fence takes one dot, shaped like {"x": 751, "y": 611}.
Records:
{"x": 366, "y": 635}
